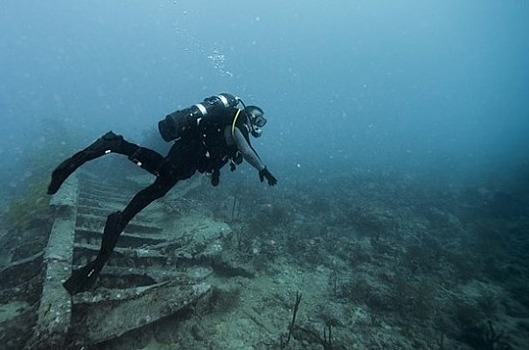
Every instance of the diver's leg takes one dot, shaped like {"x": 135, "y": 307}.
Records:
{"x": 148, "y": 159}
{"x": 117, "y": 221}
{"x": 84, "y": 278}
{"x": 108, "y": 143}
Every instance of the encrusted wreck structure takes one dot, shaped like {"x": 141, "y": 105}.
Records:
{"x": 139, "y": 286}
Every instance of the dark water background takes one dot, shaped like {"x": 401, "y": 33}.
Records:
{"x": 437, "y": 90}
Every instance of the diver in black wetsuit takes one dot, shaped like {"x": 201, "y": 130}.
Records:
{"x": 206, "y": 137}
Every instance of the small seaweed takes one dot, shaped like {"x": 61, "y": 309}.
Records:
{"x": 484, "y": 336}
{"x": 31, "y": 209}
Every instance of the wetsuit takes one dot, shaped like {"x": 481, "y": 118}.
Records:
{"x": 215, "y": 141}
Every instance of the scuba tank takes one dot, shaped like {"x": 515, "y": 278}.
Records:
{"x": 177, "y": 123}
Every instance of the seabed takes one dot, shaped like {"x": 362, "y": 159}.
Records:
{"x": 375, "y": 262}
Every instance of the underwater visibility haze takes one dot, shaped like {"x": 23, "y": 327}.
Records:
{"x": 397, "y": 131}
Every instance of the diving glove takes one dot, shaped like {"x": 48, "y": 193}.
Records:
{"x": 265, "y": 174}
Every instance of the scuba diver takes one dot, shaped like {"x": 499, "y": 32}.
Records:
{"x": 206, "y": 137}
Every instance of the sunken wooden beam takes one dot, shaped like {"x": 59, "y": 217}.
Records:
{"x": 54, "y": 312}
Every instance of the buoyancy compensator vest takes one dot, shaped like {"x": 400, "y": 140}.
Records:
{"x": 212, "y": 133}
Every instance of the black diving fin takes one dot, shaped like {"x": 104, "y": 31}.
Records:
{"x": 84, "y": 278}
{"x": 109, "y": 142}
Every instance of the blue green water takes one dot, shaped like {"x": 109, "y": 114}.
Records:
{"x": 411, "y": 93}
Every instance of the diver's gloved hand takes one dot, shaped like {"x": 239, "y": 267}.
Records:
{"x": 265, "y": 174}
{"x": 215, "y": 181}
{"x": 215, "y": 178}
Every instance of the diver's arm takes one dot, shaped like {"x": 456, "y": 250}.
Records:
{"x": 247, "y": 151}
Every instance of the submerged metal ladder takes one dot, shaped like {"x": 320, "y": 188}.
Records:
{"x": 137, "y": 287}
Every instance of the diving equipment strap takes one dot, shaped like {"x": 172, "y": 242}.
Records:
{"x": 235, "y": 122}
